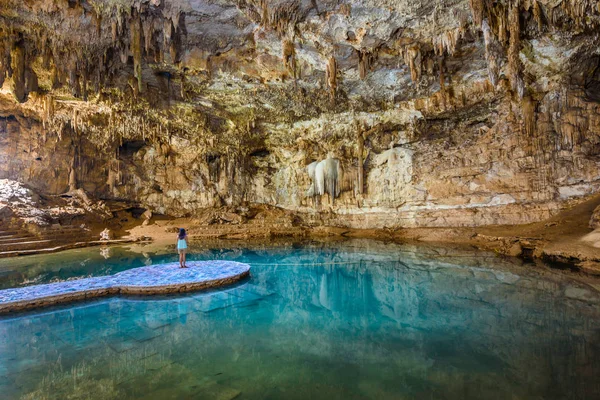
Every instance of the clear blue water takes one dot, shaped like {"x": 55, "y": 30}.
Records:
{"x": 352, "y": 320}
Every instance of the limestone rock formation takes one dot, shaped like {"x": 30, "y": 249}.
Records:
{"x": 595, "y": 219}
{"x": 459, "y": 113}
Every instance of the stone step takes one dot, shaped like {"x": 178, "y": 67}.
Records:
{"x": 70, "y": 237}
{"x": 16, "y": 235}
{"x": 27, "y": 245}
{"x": 64, "y": 233}
{"x": 12, "y": 233}
{"x": 62, "y": 228}
{"x": 16, "y": 239}
{"x": 53, "y": 230}
{"x": 15, "y": 253}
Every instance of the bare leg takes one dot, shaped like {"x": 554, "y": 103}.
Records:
{"x": 184, "y": 254}
{"x": 180, "y": 259}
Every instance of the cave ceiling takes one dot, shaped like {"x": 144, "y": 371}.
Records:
{"x": 215, "y": 66}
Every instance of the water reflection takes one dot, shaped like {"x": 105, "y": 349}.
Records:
{"x": 356, "y": 321}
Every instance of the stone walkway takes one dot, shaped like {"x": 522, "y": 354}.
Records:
{"x": 154, "y": 279}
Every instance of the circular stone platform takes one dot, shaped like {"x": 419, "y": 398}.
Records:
{"x": 153, "y": 279}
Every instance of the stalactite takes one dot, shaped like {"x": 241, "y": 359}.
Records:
{"x": 429, "y": 64}
{"x": 538, "y": 14}
{"x": 441, "y": 66}
{"x": 178, "y": 18}
{"x": 331, "y": 75}
{"x": 175, "y": 48}
{"x": 579, "y": 11}
{"x": 413, "y": 58}
{"x": 514, "y": 62}
{"x": 136, "y": 48}
{"x": 114, "y": 30}
{"x": 54, "y": 78}
{"x": 311, "y": 171}
{"x": 332, "y": 171}
{"x": 477, "y": 10}
{"x": 74, "y": 81}
{"x": 281, "y": 17}
{"x": 31, "y": 81}
{"x": 46, "y": 54}
{"x": 447, "y": 42}
{"x": 289, "y": 57}
{"x": 346, "y": 9}
{"x": 493, "y": 53}
{"x": 326, "y": 177}
{"x": 18, "y": 71}
{"x": 148, "y": 29}
{"x": 75, "y": 121}
{"x": 167, "y": 33}
{"x": 4, "y": 61}
{"x": 365, "y": 59}
{"x": 123, "y": 55}
{"x": 49, "y": 109}
{"x": 84, "y": 83}
{"x": 529, "y": 117}
{"x": 360, "y": 139}
{"x": 73, "y": 174}
{"x": 97, "y": 21}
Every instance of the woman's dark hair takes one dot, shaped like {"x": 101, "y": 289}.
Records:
{"x": 181, "y": 233}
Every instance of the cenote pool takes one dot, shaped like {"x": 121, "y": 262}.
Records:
{"x": 346, "y": 320}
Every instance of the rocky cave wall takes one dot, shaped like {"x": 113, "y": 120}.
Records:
{"x": 452, "y": 113}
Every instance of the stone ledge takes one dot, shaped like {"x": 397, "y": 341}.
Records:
{"x": 154, "y": 279}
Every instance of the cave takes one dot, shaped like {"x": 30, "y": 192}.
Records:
{"x": 130, "y": 147}
{"x": 293, "y": 199}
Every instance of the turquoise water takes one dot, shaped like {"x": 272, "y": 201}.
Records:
{"x": 351, "y": 320}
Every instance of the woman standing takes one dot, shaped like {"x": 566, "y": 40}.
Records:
{"x": 182, "y": 245}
